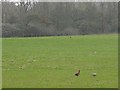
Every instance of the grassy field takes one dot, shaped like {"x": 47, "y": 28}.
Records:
{"x": 0, "y": 63}
{"x": 40, "y": 62}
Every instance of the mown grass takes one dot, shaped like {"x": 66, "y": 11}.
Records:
{"x": 41, "y": 62}
{"x": 0, "y": 63}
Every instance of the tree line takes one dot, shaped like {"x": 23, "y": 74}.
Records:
{"x": 32, "y": 18}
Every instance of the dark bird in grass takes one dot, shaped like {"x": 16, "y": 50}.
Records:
{"x": 78, "y": 73}
{"x": 94, "y": 74}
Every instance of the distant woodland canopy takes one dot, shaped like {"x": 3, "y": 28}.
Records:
{"x": 27, "y": 19}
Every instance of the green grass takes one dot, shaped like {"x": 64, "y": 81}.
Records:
{"x": 0, "y": 63}
{"x": 41, "y": 62}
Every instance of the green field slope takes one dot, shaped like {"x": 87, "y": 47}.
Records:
{"x": 40, "y": 62}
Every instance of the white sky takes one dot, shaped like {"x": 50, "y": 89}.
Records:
{"x": 69, "y": 0}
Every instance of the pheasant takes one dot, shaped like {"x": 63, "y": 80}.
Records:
{"x": 78, "y": 73}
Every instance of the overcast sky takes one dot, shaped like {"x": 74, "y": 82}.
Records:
{"x": 69, "y": 0}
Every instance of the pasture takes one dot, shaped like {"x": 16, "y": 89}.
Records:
{"x": 51, "y": 62}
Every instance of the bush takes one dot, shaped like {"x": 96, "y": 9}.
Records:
{"x": 9, "y": 30}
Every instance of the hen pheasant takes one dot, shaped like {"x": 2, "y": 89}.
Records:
{"x": 78, "y": 73}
